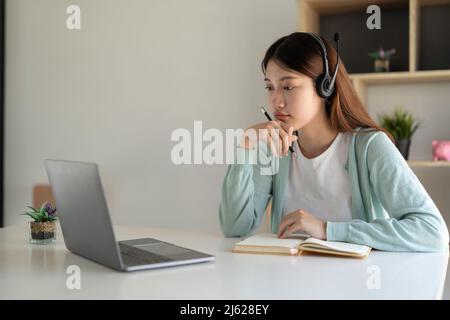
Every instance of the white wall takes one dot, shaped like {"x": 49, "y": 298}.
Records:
{"x": 114, "y": 91}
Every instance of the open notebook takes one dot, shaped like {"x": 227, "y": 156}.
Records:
{"x": 271, "y": 244}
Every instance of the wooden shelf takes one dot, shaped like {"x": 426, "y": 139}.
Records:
{"x": 402, "y": 77}
{"x": 428, "y": 163}
{"x": 362, "y": 80}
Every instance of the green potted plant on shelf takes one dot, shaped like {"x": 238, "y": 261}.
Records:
{"x": 42, "y": 229}
{"x": 402, "y": 125}
{"x": 381, "y": 59}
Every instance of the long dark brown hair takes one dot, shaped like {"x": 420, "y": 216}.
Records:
{"x": 301, "y": 52}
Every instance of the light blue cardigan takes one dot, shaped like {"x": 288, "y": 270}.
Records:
{"x": 390, "y": 208}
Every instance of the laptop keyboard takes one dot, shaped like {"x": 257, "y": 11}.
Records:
{"x": 132, "y": 256}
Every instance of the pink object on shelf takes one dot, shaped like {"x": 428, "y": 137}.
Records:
{"x": 441, "y": 150}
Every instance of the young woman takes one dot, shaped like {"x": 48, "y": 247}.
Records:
{"x": 347, "y": 182}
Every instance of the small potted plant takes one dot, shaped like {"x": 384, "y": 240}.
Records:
{"x": 43, "y": 229}
{"x": 381, "y": 59}
{"x": 402, "y": 125}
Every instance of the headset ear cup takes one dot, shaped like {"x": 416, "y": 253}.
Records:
{"x": 322, "y": 86}
{"x": 327, "y": 90}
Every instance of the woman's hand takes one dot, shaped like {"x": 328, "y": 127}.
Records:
{"x": 279, "y": 141}
{"x": 304, "y": 221}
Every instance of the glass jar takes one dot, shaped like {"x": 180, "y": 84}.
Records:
{"x": 381, "y": 65}
{"x": 42, "y": 232}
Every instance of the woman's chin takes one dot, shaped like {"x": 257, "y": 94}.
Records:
{"x": 291, "y": 123}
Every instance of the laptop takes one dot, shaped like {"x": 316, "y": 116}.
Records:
{"x": 87, "y": 228}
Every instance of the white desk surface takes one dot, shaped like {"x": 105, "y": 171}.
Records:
{"x": 39, "y": 272}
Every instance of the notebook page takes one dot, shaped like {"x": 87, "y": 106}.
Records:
{"x": 269, "y": 239}
{"x": 339, "y": 246}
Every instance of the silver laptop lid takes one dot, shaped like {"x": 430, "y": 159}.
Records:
{"x": 83, "y": 212}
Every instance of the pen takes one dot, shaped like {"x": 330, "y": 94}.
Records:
{"x": 270, "y": 119}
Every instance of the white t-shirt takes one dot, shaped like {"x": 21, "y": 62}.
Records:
{"x": 321, "y": 185}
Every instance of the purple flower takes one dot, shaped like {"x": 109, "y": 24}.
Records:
{"x": 49, "y": 209}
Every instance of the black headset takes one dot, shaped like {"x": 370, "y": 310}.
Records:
{"x": 324, "y": 83}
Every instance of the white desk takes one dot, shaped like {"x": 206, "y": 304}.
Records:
{"x": 34, "y": 271}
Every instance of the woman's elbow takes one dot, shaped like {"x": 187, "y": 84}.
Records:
{"x": 236, "y": 228}
{"x": 443, "y": 239}
{"x": 230, "y": 232}
{"x": 432, "y": 234}
{"x": 231, "y": 227}
{"x": 438, "y": 239}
